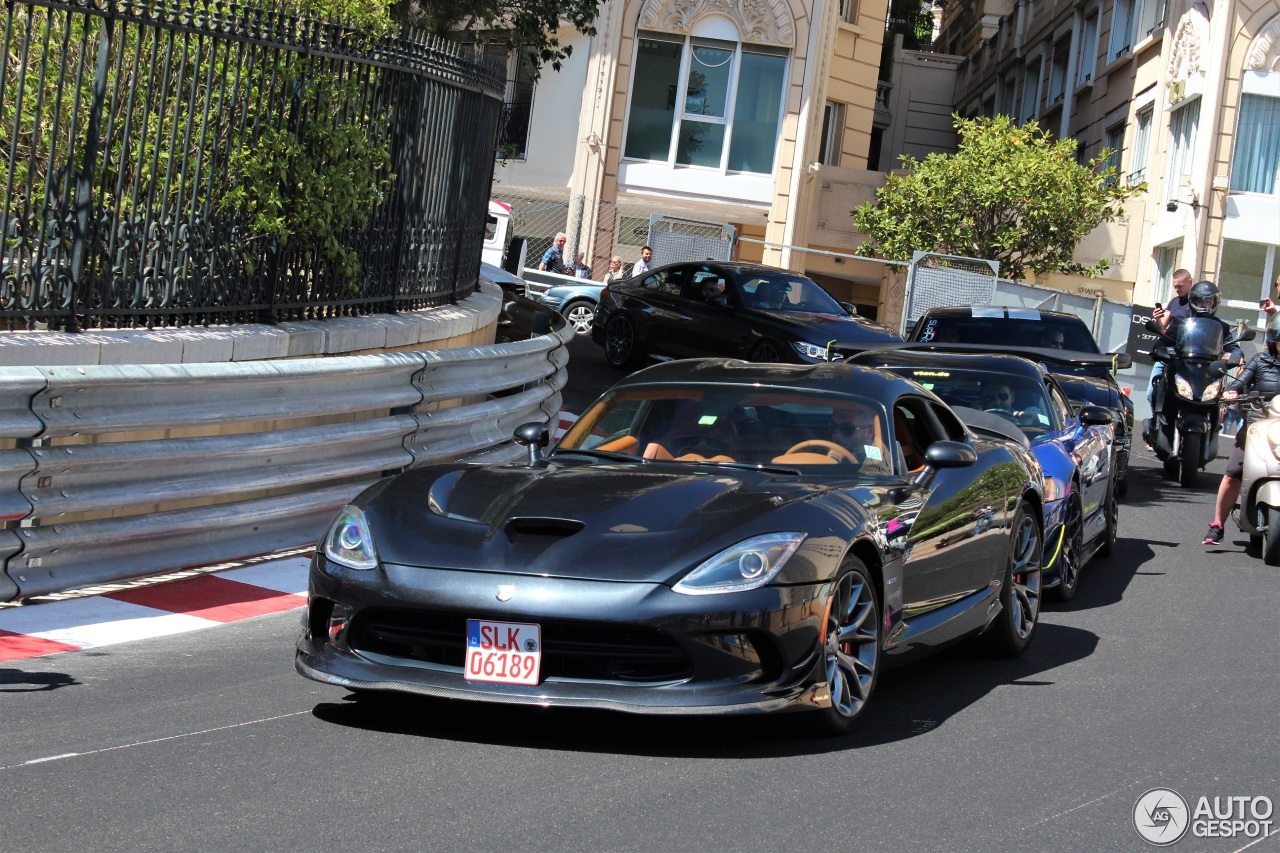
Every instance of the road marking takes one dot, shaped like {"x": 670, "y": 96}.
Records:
{"x": 1074, "y": 808}
{"x": 1256, "y": 840}
{"x": 155, "y": 740}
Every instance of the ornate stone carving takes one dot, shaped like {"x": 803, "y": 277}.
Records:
{"x": 1264, "y": 53}
{"x": 758, "y": 21}
{"x": 1187, "y": 56}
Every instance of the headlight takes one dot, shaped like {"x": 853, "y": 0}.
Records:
{"x": 1183, "y": 387}
{"x": 815, "y": 352}
{"x": 1273, "y": 438}
{"x": 1211, "y": 393}
{"x": 349, "y": 542}
{"x": 747, "y": 565}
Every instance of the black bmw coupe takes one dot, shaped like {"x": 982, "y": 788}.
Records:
{"x": 711, "y": 536}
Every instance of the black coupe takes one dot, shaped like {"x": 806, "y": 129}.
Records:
{"x": 711, "y": 536}
{"x": 734, "y": 310}
{"x": 1058, "y": 340}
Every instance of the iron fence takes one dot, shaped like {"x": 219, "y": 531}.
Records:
{"x": 200, "y": 162}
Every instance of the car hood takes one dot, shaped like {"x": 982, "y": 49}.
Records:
{"x": 626, "y": 522}
{"x": 821, "y": 328}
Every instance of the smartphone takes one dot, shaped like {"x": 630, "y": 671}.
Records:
{"x": 1159, "y": 307}
{"x": 1262, "y": 303}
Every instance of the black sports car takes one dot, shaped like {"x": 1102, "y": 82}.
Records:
{"x": 734, "y": 310}
{"x": 1060, "y": 341}
{"x": 711, "y": 536}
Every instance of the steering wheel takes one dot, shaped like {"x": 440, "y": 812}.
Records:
{"x": 829, "y": 448}
{"x": 1026, "y": 419}
{"x": 697, "y": 443}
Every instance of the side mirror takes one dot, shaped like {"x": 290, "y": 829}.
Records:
{"x": 1096, "y": 416}
{"x": 1218, "y": 368}
{"x": 1247, "y": 335}
{"x": 949, "y": 454}
{"x": 534, "y": 436}
{"x": 1121, "y": 360}
{"x": 850, "y": 307}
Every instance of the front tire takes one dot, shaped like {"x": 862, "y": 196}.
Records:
{"x": 1072, "y": 552}
{"x": 767, "y": 352}
{"x": 1190, "y": 457}
{"x": 621, "y": 348}
{"x": 1013, "y": 629}
{"x": 1113, "y": 524}
{"x": 851, "y": 647}
{"x": 580, "y": 314}
{"x": 1271, "y": 539}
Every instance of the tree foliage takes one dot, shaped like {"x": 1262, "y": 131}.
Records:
{"x": 1009, "y": 194}
{"x": 514, "y": 23}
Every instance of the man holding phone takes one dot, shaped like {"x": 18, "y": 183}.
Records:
{"x": 1178, "y": 307}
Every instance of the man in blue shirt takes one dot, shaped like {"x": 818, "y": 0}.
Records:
{"x": 553, "y": 258}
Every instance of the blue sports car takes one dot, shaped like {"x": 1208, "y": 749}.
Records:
{"x": 1076, "y": 449}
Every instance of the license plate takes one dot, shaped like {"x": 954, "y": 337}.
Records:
{"x": 503, "y": 652}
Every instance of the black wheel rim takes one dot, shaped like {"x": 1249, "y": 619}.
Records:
{"x": 619, "y": 339}
{"x": 766, "y": 352}
{"x": 1072, "y": 546}
{"x": 1025, "y": 575}
{"x": 852, "y": 648}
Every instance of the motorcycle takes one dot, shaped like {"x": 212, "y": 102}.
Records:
{"x": 1258, "y": 511}
{"x": 1186, "y": 414}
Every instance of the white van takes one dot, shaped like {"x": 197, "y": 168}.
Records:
{"x": 497, "y": 236}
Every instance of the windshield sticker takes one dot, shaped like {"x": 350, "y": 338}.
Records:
{"x": 940, "y": 374}
{"x": 1024, "y": 314}
{"x": 873, "y": 452}
{"x": 929, "y": 331}
{"x": 988, "y": 312}
{"x": 1044, "y": 419}
{"x": 706, "y": 420}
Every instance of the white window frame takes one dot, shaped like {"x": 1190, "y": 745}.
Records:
{"x": 1059, "y": 65}
{"x": 1117, "y": 150}
{"x": 832, "y": 137}
{"x": 1150, "y": 17}
{"x": 1184, "y": 127}
{"x": 687, "y": 43}
{"x": 1143, "y": 119}
{"x": 849, "y": 11}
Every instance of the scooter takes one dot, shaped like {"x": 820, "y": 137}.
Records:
{"x": 1183, "y": 429}
{"x": 1259, "y": 507}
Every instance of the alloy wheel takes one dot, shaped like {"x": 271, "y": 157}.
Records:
{"x": 580, "y": 315}
{"x": 1025, "y": 575}
{"x": 852, "y": 644}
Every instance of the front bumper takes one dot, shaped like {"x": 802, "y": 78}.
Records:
{"x": 734, "y": 653}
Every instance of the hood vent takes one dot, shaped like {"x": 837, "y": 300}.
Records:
{"x": 535, "y": 528}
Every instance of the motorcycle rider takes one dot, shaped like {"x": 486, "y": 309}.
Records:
{"x": 1260, "y": 375}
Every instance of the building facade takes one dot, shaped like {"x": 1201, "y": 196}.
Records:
{"x": 712, "y": 113}
{"x": 1187, "y": 97}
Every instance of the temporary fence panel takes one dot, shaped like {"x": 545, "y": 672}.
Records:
{"x": 675, "y": 240}
{"x": 936, "y": 281}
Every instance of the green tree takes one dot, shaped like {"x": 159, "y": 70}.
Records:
{"x": 514, "y": 23}
{"x": 1009, "y": 194}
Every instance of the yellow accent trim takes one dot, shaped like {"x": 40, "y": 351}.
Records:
{"x": 1062, "y": 535}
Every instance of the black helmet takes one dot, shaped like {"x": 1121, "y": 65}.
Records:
{"x": 1203, "y": 299}
{"x": 1273, "y": 329}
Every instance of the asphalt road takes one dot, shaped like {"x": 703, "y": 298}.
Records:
{"x": 1162, "y": 672}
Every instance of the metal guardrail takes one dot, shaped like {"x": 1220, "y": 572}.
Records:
{"x": 296, "y": 440}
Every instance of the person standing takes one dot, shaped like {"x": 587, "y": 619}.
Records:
{"x": 580, "y": 268}
{"x": 553, "y": 258}
{"x": 644, "y": 264}
{"x": 615, "y": 271}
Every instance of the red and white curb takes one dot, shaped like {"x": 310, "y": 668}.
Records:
{"x": 156, "y": 610}
{"x": 566, "y": 420}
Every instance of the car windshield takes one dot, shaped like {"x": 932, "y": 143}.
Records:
{"x": 1021, "y": 401}
{"x": 782, "y": 291}
{"x": 797, "y": 429}
{"x": 1041, "y": 331}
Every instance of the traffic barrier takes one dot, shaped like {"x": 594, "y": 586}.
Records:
{"x": 124, "y": 471}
